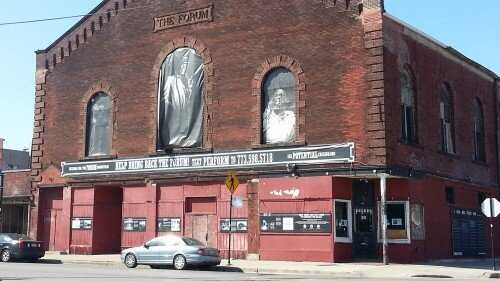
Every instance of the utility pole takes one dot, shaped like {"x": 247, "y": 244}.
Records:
{"x": 383, "y": 215}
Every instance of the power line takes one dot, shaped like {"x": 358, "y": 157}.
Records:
{"x": 65, "y": 17}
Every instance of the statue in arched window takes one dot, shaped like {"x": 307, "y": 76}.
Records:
{"x": 479, "y": 146}
{"x": 99, "y": 129}
{"x": 278, "y": 117}
{"x": 180, "y": 97}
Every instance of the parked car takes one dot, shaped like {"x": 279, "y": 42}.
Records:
{"x": 171, "y": 250}
{"x": 19, "y": 246}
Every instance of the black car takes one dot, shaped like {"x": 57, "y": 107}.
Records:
{"x": 19, "y": 246}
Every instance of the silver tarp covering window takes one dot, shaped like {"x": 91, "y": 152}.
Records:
{"x": 99, "y": 125}
{"x": 278, "y": 118}
{"x": 180, "y": 112}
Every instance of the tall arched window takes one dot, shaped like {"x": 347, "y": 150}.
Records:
{"x": 99, "y": 125}
{"x": 479, "y": 146}
{"x": 278, "y": 107}
{"x": 447, "y": 120}
{"x": 180, "y": 100}
{"x": 408, "y": 108}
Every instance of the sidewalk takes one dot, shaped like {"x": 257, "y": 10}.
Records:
{"x": 464, "y": 269}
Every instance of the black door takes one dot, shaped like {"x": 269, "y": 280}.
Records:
{"x": 364, "y": 221}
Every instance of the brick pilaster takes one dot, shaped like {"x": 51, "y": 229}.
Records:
{"x": 374, "y": 44}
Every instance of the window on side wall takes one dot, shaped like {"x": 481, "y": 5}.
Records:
{"x": 343, "y": 221}
{"x": 450, "y": 195}
{"x": 479, "y": 146}
{"x": 180, "y": 100}
{"x": 408, "y": 108}
{"x": 279, "y": 107}
{"x": 447, "y": 120}
{"x": 99, "y": 125}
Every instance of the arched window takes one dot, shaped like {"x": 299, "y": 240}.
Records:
{"x": 180, "y": 98}
{"x": 278, "y": 107}
{"x": 479, "y": 147}
{"x": 447, "y": 121}
{"x": 408, "y": 108}
{"x": 99, "y": 125}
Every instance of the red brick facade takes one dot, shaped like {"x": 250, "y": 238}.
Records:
{"x": 346, "y": 61}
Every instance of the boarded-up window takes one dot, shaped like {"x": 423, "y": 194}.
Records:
{"x": 180, "y": 97}
{"x": 479, "y": 147}
{"x": 278, "y": 109}
{"x": 99, "y": 125}
{"x": 447, "y": 122}
{"x": 408, "y": 108}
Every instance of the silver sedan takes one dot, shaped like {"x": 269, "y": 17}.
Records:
{"x": 171, "y": 250}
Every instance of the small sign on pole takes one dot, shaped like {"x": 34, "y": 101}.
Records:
{"x": 491, "y": 209}
{"x": 232, "y": 183}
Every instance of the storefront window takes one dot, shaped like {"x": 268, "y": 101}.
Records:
{"x": 278, "y": 111}
{"x": 180, "y": 97}
{"x": 343, "y": 221}
{"x": 397, "y": 220}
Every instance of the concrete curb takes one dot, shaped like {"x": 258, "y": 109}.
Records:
{"x": 268, "y": 270}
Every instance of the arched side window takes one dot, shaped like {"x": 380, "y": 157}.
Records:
{"x": 279, "y": 107}
{"x": 180, "y": 100}
{"x": 99, "y": 125}
{"x": 408, "y": 108}
{"x": 446, "y": 115}
{"x": 479, "y": 146}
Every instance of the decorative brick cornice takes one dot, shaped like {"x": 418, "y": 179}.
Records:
{"x": 78, "y": 36}
{"x": 105, "y": 87}
{"x": 208, "y": 86}
{"x": 300, "y": 91}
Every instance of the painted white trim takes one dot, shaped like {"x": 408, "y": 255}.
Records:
{"x": 408, "y": 225}
{"x": 349, "y": 219}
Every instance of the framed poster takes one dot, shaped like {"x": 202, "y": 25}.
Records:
{"x": 81, "y": 223}
{"x": 296, "y": 223}
{"x": 169, "y": 224}
{"x": 134, "y": 224}
{"x": 237, "y": 225}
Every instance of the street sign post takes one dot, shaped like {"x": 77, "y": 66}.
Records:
{"x": 491, "y": 209}
{"x": 232, "y": 183}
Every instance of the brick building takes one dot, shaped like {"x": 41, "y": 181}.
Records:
{"x": 143, "y": 108}
{"x": 15, "y": 198}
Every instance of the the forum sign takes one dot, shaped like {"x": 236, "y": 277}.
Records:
{"x": 339, "y": 153}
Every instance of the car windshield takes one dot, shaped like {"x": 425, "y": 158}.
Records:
{"x": 192, "y": 242}
{"x": 18, "y": 237}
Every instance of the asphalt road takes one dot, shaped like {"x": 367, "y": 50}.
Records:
{"x": 79, "y": 272}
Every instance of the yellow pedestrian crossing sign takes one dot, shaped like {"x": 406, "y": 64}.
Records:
{"x": 232, "y": 182}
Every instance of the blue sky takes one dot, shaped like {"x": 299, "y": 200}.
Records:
{"x": 470, "y": 27}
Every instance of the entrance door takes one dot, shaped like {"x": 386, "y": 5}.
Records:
{"x": 364, "y": 227}
{"x": 202, "y": 229}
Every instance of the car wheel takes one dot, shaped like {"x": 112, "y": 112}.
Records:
{"x": 5, "y": 255}
{"x": 179, "y": 262}
{"x": 130, "y": 261}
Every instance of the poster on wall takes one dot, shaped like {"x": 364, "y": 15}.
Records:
{"x": 81, "y": 223}
{"x": 417, "y": 222}
{"x": 134, "y": 224}
{"x": 237, "y": 225}
{"x": 468, "y": 233}
{"x": 169, "y": 224}
{"x": 296, "y": 223}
